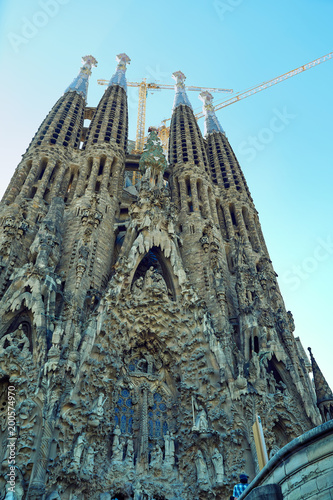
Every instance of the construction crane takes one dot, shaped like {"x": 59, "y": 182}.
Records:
{"x": 164, "y": 130}
{"x": 144, "y": 88}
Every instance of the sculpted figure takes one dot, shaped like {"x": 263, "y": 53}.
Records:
{"x": 271, "y": 383}
{"x": 130, "y": 451}
{"x": 156, "y": 457}
{"x": 217, "y": 460}
{"x": 16, "y": 339}
{"x": 78, "y": 451}
{"x": 202, "y": 472}
{"x": 90, "y": 458}
{"x": 201, "y": 423}
{"x": 137, "y": 286}
{"x": 155, "y": 281}
{"x": 169, "y": 442}
{"x": 117, "y": 446}
{"x": 97, "y": 411}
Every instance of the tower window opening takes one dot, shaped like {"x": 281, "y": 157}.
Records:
{"x": 232, "y": 215}
{"x": 33, "y": 192}
{"x": 101, "y": 165}
{"x": 188, "y": 186}
{"x": 199, "y": 189}
{"x": 256, "y": 344}
{"x": 190, "y": 207}
{"x": 97, "y": 187}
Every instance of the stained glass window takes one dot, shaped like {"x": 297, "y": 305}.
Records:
{"x": 157, "y": 418}
{"x": 123, "y": 413}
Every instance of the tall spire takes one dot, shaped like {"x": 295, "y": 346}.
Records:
{"x": 211, "y": 122}
{"x": 181, "y": 96}
{"x": 119, "y": 77}
{"x": 80, "y": 83}
{"x": 322, "y": 388}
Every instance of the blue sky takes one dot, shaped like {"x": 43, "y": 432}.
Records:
{"x": 281, "y": 136}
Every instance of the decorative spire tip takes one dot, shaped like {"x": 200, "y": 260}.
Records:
{"x": 211, "y": 122}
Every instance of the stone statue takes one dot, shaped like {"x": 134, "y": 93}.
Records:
{"x": 89, "y": 461}
{"x": 130, "y": 451}
{"x": 254, "y": 368}
{"x": 201, "y": 423}
{"x": 97, "y": 411}
{"x": 137, "y": 287}
{"x": 271, "y": 383}
{"x": 202, "y": 472}
{"x": 156, "y": 457}
{"x": 117, "y": 446}
{"x": 78, "y": 451}
{"x": 169, "y": 443}
{"x": 138, "y": 492}
{"x": 217, "y": 460}
{"x": 155, "y": 281}
{"x": 16, "y": 339}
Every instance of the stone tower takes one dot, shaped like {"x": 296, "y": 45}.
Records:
{"x": 142, "y": 325}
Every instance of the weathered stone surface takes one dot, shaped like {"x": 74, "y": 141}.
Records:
{"x": 142, "y": 328}
{"x": 266, "y": 492}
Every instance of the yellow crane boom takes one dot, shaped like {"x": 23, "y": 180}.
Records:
{"x": 265, "y": 85}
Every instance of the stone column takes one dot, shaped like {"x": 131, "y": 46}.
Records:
{"x": 194, "y": 194}
{"x": 42, "y": 184}
{"x": 82, "y": 178}
{"x": 106, "y": 174}
{"x": 30, "y": 178}
{"x": 241, "y": 225}
{"x": 228, "y": 221}
{"x": 213, "y": 207}
{"x": 93, "y": 174}
{"x": 183, "y": 194}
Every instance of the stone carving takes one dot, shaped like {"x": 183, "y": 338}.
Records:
{"x": 156, "y": 457}
{"x": 201, "y": 422}
{"x": 15, "y": 341}
{"x": 130, "y": 452}
{"x": 117, "y": 446}
{"x": 78, "y": 450}
{"x": 169, "y": 446}
{"x": 89, "y": 460}
{"x": 128, "y": 295}
{"x": 217, "y": 460}
{"x": 154, "y": 281}
{"x": 97, "y": 411}
{"x": 202, "y": 472}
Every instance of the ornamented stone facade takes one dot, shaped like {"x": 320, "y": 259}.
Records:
{"x": 142, "y": 325}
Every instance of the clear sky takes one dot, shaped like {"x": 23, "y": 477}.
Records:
{"x": 281, "y": 136}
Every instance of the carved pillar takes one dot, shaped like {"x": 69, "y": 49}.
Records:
{"x": 58, "y": 180}
{"x": 241, "y": 225}
{"x": 82, "y": 178}
{"x": 229, "y": 224}
{"x": 144, "y": 427}
{"x": 106, "y": 174}
{"x": 93, "y": 175}
{"x": 205, "y": 202}
{"x": 213, "y": 207}
{"x": 194, "y": 192}
{"x": 45, "y": 179}
{"x": 183, "y": 194}
{"x": 30, "y": 179}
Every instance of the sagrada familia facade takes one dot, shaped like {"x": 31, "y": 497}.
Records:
{"x": 142, "y": 325}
